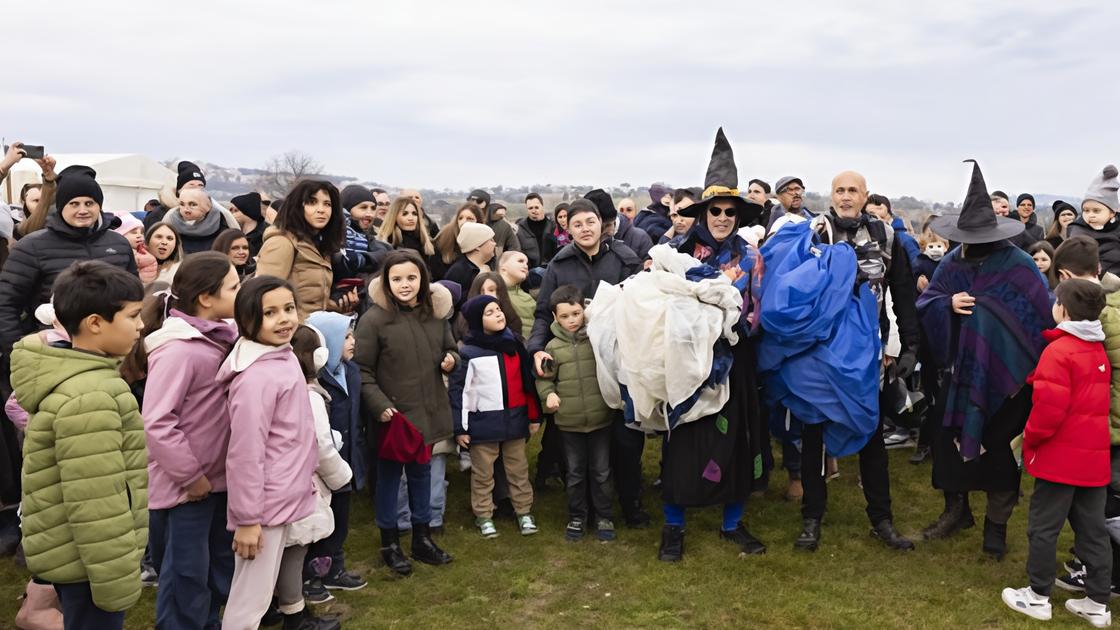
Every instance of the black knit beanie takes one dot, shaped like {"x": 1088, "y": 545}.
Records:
{"x": 249, "y": 205}
{"x": 354, "y": 194}
{"x": 602, "y": 201}
{"x": 1023, "y": 197}
{"x": 188, "y": 172}
{"x": 77, "y": 181}
{"x": 478, "y": 193}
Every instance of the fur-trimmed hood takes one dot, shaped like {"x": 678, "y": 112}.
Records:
{"x": 442, "y": 304}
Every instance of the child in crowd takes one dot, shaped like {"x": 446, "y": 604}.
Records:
{"x": 1098, "y": 218}
{"x": 570, "y": 390}
{"x": 1066, "y": 450}
{"x": 133, "y": 230}
{"x": 491, "y": 283}
{"x": 934, "y": 249}
{"x": 271, "y": 456}
{"x": 494, "y": 406}
{"x": 85, "y": 478}
{"x": 186, "y": 423}
{"x": 342, "y": 382}
{"x": 514, "y": 268}
{"x": 331, "y": 471}
{"x": 1043, "y": 255}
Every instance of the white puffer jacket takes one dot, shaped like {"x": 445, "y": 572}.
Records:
{"x": 332, "y": 473}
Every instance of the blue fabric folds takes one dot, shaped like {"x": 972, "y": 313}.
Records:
{"x": 820, "y": 349}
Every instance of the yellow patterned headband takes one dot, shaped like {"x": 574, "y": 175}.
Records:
{"x": 712, "y": 191}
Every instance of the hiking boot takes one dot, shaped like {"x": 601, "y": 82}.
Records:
{"x": 886, "y": 532}
{"x": 486, "y": 527}
{"x": 921, "y": 454}
{"x": 672, "y": 544}
{"x": 526, "y": 524}
{"x": 995, "y": 539}
{"x": 1025, "y": 600}
{"x": 956, "y": 516}
{"x": 899, "y": 438}
{"x": 810, "y": 537}
{"x": 1091, "y": 611}
{"x": 304, "y": 620}
{"x": 748, "y": 544}
{"x": 315, "y": 593}
{"x": 344, "y": 582}
{"x": 425, "y": 549}
{"x": 574, "y": 531}
{"x": 392, "y": 554}
{"x": 604, "y": 530}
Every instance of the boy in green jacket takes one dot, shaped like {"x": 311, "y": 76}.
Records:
{"x": 570, "y": 389}
{"x": 85, "y": 475}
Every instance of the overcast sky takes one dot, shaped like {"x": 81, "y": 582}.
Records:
{"x": 463, "y": 94}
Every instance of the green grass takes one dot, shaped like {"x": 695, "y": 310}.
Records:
{"x": 543, "y": 582}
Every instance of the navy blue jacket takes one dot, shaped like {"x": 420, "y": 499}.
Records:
{"x": 479, "y": 393}
{"x": 345, "y": 415}
{"x": 654, "y": 219}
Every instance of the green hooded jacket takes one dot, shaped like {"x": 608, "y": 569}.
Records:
{"x": 85, "y": 472}
{"x": 1110, "y": 321}
{"x": 574, "y": 380}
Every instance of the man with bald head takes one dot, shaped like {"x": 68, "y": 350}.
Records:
{"x": 198, "y": 220}
{"x": 883, "y": 266}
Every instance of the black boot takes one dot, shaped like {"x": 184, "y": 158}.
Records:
{"x": 304, "y": 620}
{"x": 424, "y": 548}
{"x": 272, "y": 616}
{"x": 810, "y": 537}
{"x": 995, "y": 539}
{"x": 748, "y": 544}
{"x": 634, "y": 516}
{"x": 884, "y": 530}
{"x": 392, "y": 554}
{"x": 957, "y": 516}
{"x": 672, "y": 544}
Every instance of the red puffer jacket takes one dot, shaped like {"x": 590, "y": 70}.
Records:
{"x": 1066, "y": 439}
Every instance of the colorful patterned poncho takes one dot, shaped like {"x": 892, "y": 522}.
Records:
{"x": 991, "y": 351}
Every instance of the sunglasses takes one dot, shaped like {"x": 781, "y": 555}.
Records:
{"x": 266, "y": 203}
{"x": 715, "y": 212}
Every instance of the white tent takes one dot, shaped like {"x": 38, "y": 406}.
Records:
{"x": 128, "y": 180}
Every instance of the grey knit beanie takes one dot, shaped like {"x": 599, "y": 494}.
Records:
{"x": 1103, "y": 188}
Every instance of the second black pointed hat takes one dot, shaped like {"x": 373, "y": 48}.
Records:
{"x": 977, "y": 222}
{"x": 722, "y": 182}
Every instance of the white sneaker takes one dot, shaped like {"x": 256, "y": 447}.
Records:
{"x": 1026, "y": 601}
{"x": 527, "y": 524}
{"x": 486, "y": 527}
{"x": 1091, "y": 611}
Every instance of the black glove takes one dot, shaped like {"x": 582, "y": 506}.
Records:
{"x": 905, "y": 364}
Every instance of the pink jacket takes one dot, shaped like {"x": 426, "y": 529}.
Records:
{"x": 272, "y": 450}
{"x": 186, "y": 415}
{"x": 146, "y": 264}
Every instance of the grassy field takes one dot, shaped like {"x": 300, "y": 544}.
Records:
{"x": 543, "y": 582}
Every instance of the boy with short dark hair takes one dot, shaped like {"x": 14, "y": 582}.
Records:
{"x": 570, "y": 389}
{"x": 85, "y": 475}
{"x": 1066, "y": 450}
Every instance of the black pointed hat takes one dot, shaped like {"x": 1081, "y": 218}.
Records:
{"x": 977, "y": 222}
{"x": 722, "y": 182}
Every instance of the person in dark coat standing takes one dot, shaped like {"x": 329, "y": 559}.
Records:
{"x": 618, "y": 226}
{"x": 76, "y": 230}
{"x": 494, "y": 215}
{"x": 1032, "y": 231}
{"x": 584, "y": 263}
{"x": 248, "y": 211}
{"x": 533, "y": 232}
{"x": 654, "y": 219}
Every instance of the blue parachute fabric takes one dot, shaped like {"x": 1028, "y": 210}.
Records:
{"x": 819, "y": 353}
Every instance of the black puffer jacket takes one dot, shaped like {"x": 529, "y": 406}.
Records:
{"x": 614, "y": 263}
{"x": 38, "y": 258}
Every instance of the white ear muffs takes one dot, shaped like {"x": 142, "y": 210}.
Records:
{"x": 321, "y": 354}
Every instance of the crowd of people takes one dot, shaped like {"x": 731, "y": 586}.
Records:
{"x": 198, "y": 394}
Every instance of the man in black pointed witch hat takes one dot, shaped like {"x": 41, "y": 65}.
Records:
{"x": 716, "y": 459}
{"x": 983, "y": 314}
{"x": 883, "y": 265}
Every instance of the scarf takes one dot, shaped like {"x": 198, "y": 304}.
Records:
{"x": 733, "y": 257}
{"x": 506, "y": 343}
{"x": 562, "y": 237}
{"x": 205, "y": 227}
{"x": 991, "y": 351}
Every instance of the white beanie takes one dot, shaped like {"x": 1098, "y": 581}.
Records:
{"x": 473, "y": 235}
{"x": 1103, "y": 189}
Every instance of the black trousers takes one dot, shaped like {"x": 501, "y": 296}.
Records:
{"x": 588, "y": 458}
{"x": 1051, "y": 505}
{"x": 626, "y": 464}
{"x": 551, "y": 460}
{"x": 872, "y": 471}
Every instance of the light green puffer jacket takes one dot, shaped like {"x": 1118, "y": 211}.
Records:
{"x": 582, "y": 409}
{"x": 526, "y": 307}
{"x": 1110, "y": 320}
{"x": 85, "y": 472}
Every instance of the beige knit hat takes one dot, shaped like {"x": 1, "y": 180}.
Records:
{"x": 472, "y": 236}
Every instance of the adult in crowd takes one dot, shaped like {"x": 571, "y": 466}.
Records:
{"x": 627, "y": 208}
{"x": 618, "y": 226}
{"x": 493, "y": 214}
{"x": 1064, "y": 215}
{"x": 711, "y": 461}
{"x": 654, "y": 218}
{"x": 359, "y": 259}
{"x": 476, "y": 241}
{"x": 1032, "y": 231}
{"x": 309, "y": 230}
{"x": 681, "y": 221}
{"x": 248, "y": 211}
{"x": 188, "y": 177}
{"x": 447, "y": 241}
{"x": 790, "y": 191}
{"x": 587, "y": 261}
{"x": 1001, "y": 204}
{"x": 402, "y": 229}
{"x": 559, "y": 238}
{"x": 879, "y": 206}
{"x": 882, "y": 265}
{"x": 35, "y": 199}
{"x": 382, "y": 201}
{"x": 76, "y": 230}
{"x": 429, "y": 224}
{"x": 758, "y": 192}
{"x": 983, "y": 313}
{"x": 198, "y": 220}
{"x": 533, "y": 231}
{"x": 235, "y": 245}
{"x": 162, "y": 240}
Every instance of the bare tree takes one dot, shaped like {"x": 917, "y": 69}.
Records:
{"x": 282, "y": 171}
